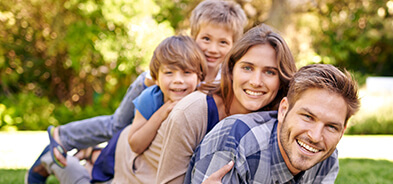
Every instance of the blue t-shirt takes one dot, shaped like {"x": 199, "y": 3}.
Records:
{"x": 148, "y": 102}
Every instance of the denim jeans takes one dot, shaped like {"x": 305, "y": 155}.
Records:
{"x": 74, "y": 172}
{"x": 93, "y": 131}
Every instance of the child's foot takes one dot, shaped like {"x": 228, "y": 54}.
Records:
{"x": 59, "y": 153}
{"x": 89, "y": 154}
{"x": 37, "y": 173}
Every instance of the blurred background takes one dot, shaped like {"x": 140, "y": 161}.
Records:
{"x": 66, "y": 60}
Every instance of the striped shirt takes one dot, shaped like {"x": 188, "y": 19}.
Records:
{"x": 251, "y": 142}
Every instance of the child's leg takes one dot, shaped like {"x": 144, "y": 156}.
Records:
{"x": 90, "y": 132}
{"x": 72, "y": 173}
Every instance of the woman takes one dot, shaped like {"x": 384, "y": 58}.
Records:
{"x": 255, "y": 76}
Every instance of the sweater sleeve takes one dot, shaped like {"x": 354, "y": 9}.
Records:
{"x": 185, "y": 128}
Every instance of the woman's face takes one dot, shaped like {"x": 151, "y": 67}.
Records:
{"x": 255, "y": 79}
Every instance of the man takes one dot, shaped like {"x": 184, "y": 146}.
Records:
{"x": 297, "y": 144}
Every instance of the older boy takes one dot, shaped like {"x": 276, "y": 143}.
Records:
{"x": 215, "y": 26}
{"x": 299, "y": 146}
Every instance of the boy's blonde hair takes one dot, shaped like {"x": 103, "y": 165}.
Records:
{"x": 179, "y": 52}
{"x": 218, "y": 12}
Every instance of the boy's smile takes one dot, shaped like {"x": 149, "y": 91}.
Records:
{"x": 176, "y": 83}
{"x": 215, "y": 41}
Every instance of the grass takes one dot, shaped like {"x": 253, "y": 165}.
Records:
{"x": 362, "y": 171}
{"x": 365, "y": 171}
{"x": 17, "y": 176}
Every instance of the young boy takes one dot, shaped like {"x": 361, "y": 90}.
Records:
{"x": 177, "y": 67}
{"x": 215, "y": 26}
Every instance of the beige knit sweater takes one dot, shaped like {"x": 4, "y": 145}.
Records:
{"x": 166, "y": 160}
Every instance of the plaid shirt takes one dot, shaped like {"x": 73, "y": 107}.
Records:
{"x": 251, "y": 142}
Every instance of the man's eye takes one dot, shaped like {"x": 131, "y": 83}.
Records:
{"x": 308, "y": 117}
{"x": 332, "y": 127}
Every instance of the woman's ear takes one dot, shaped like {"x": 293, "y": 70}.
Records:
{"x": 282, "y": 109}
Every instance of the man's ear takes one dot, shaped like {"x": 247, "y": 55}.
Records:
{"x": 282, "y": 109}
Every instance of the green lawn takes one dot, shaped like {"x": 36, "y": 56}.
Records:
{"x": 365, "y": 171}
{"x": 360, "y": 171}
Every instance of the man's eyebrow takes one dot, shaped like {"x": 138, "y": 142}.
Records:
{"x": 308, "y": 111}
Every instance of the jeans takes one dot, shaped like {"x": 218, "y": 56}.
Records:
{"x": 93, "y": 131}
{"x": 73, "y": 173}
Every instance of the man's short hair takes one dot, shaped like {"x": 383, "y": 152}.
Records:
{"x": 325, "y": 76}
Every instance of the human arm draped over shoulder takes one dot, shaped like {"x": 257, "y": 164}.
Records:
{"x": 185, "y": 128}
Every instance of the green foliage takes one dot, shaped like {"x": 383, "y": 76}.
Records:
{"x": 26, "y": 111}
{"x": 77, "y": 56}
{"x": 356, "y": 35}
{"x": 63, "y": 53}
{"x": 67, "y": 50}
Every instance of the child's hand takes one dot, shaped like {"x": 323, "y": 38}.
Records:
{"x": 216, "y": 177}
{"x": 167, "y": 107}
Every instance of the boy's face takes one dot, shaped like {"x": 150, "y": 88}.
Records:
{"x": 176, "y": 83}
{"x": 215, "y": 41}
{"x": 310, "y": 131}
{"x": 255, "y": 79}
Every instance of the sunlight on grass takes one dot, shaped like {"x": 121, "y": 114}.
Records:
{"x": 365, "y": 171}
{"x": 375, "y": 115}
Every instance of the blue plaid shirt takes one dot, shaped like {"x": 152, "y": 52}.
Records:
{"x": 251, "y": 142}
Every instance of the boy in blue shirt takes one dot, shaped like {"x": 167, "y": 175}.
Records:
{"x": 177, "y": 67}
{"x": 215, "y": 26}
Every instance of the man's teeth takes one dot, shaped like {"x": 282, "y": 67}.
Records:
{"x": 307, "y": 147}
{"x": 254, "y": 93}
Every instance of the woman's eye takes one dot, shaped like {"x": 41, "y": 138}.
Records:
{"x": 248, "y": 68}
{"x": 271, "y": 72}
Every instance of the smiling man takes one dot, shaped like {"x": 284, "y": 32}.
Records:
{"x": 297, "y": 144}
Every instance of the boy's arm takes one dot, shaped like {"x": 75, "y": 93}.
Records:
{"x": 145, "y": 131}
